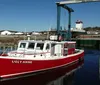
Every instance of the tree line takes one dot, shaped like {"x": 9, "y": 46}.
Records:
{"x": 92, "y": 28}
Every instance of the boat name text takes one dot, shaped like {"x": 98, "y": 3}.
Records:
{"x": 21, "y": 62}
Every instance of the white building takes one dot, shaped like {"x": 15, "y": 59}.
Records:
{"x": 79, "y": 25}
{"x": 92, "y": 32}
{"x": 36, "y": 33}
{"x": 18, "y": 33}
{"x": 6, "y": 32}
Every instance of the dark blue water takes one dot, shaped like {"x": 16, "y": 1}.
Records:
{"x": 85, "y": 72}
{"x": 89, "y": 73}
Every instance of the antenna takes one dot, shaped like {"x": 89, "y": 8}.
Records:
{"x": 24, "y": 33}
{"x": 48, "y": 33}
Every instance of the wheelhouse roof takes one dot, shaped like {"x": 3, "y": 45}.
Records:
{"x": 46, "y": 41}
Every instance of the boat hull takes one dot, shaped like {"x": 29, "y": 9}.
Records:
{"x": 15, "y": 67}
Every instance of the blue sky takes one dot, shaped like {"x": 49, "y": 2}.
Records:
{"x": 37, "y": 15}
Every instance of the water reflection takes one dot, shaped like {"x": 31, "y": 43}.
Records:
{"x": 59, "y": 76}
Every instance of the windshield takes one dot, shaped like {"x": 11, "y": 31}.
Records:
{"x": 22, "y": 45}
{"x": 31, "y": 45}
{"x": 40, "y": 46}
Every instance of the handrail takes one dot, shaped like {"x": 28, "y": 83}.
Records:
{"x": 3, "y": 54}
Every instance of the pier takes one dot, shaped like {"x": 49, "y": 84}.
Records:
{"x": 87, "y": 43}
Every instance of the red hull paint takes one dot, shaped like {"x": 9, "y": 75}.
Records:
{"x": 47, "y": 76}
{"x": 9, "y": 67}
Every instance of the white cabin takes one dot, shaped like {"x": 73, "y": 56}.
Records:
{"x": 30, "y": 49}
{"x": 46, "y": 47}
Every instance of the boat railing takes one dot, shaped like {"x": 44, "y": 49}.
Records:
{"x": 4, "y": 53}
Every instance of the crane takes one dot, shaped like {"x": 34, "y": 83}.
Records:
{"x": 65, "y": 35}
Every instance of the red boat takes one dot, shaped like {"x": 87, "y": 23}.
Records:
{"x": 34, "y": 56}
{"x": 48, "y": 77}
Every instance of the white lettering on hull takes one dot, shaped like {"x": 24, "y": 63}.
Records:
{"x": 21, "y": 62}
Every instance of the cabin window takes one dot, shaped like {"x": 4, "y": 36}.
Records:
{"x": 31, "y": 45}
{"x": 47, "y": 47}
{"x": 22, "y": 45}
{"x": 65, "y": 45}
{"x": 40, "y": 46}
{"x": 71, "y": 46}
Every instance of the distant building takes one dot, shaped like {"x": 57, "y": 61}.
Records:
{"x": 79, "y": 25}
{"x": 92, "y": 32}
{"x": 78, "y": 29}
{"x": 36, "y": 33}
{"x": 5, "y": 32}
{"x": 19, "y": 33}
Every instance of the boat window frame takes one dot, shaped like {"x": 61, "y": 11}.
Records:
{"x": 28, "y": 45}
{"x": 71, "y": 45}
{"x": 22, "y": 45}
{"x": 48, "y": 46}
{"x": 37, "y": 48}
